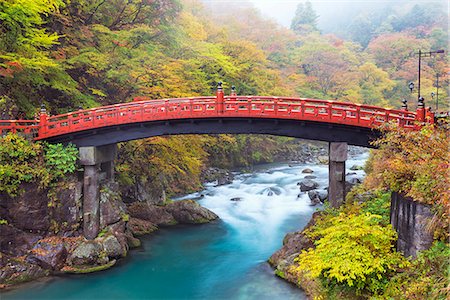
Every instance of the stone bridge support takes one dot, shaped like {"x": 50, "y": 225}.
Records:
{"x": 98, "y": 163}
{"x": 336, "y": 176}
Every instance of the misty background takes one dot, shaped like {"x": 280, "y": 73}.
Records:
{"x": 335, "y": 16}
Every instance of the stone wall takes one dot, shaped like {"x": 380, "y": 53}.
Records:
{"x": 410, "y": 220}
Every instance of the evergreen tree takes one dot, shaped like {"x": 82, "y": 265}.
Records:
{"x": 305, "y": 19}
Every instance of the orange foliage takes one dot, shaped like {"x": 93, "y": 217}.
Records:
{"x": 415, "y": 163}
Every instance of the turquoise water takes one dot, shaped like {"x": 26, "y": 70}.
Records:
{"x": 225, "y": 259}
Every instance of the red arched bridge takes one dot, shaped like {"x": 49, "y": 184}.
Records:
{"x": 331, "y": 121}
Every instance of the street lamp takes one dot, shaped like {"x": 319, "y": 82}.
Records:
{"x": 411, "y": 86}
{"x": 437, "y": 91}
{"x": 424, "y": 54}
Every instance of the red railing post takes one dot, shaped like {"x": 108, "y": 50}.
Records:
{"x": 13, "y": 126}
{"x": 43, "y": 117}
{"x": 166, "y": 107}
{"x": 233, "y": 93}
{"x": 429, "y": 116}
{"x": 219, "y": 98}
{"x": 357, "y": 113}
{"x": 420, "y": 112}
{"x": 302, "y": 108}
{"x": 330, "y": 110}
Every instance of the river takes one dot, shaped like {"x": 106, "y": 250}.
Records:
{"x": 225, "y": 259}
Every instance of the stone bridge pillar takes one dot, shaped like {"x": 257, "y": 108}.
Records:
{"x": 98, "y": 163}
{"x": 336, "y": 177}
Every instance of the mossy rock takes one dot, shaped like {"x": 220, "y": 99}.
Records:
{"x": 87, "y": 269}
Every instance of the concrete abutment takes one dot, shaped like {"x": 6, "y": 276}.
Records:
{"x": 337, "y": 152}
{"x": 98, "y": 164}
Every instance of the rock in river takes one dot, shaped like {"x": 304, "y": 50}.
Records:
{"x": 321, "y": 195}
{"x": 87, "y": 253}
{"x": 307, "y": 185}
{"x": 190, "y": 212}
{"x": 307, "y": 171}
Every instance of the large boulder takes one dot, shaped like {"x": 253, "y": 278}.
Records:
{"x": 293, "y": 243}
{"x": 144, "y": 192}
{"x": 307, "y": 185}
{"x": 221, "y": 176}
{"x": 153, "y": 213}
{"x": 321, "y": 195}
{"x": 120, "y": 232}
{"x": 48, "y": 255}
{"x": 140, "y": 227}
{"x": 190, "y": 212}
{"x": 14, "y": 270}
{"x": 15, "y": 241}
{"x": 33, "y": 211}
{"x": 355, "y": 180}
{"x": 112, "y": 209}
{"x": 68, "y": 213}
{"x": 28, "y": 211}
{"x": 87, "y": 253}
{"x": 112, "y": 247}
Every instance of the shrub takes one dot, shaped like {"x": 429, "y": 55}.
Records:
{"x": 352, "y": 252}
{"x": 426, "y": 278}
{"x": 59, "y": 159}
{"x": 416, "y": 164}
{"x": 24, "y": 161}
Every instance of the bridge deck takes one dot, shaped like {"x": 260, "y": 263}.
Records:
{"x": 288, "y": 108}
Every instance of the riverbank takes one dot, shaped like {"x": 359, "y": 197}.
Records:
{"x": 355, "y": 252}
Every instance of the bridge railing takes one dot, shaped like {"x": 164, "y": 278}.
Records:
{"x": 133, "y": 112}
{"x": 316, "y": 110}
{"x": 208, "y": 107}
{"x": 28, "y": 127}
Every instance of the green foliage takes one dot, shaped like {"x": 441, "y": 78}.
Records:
{"x": 60, "y": 159}
{"x": 426, "y": 278}
{"x": 3, "y": 222}
{"x": 19, "y": 162}
{"x": 379, "y": 204}
{"x": 353, "y": 252}
{"x": 24, "y": 41}
{"x": 24, "y": 161}
{"x": 103, "y": 232}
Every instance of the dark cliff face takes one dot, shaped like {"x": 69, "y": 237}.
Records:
{"x": 410, "y": 219}
{"x": 43, "y": 211}
{"x": 31, "y": 217}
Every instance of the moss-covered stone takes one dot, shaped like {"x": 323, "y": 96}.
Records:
{"x": 87, "y": 269}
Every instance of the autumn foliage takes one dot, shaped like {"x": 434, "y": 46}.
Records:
{"x": 415, "y": 163}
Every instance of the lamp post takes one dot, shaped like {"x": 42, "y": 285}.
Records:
{"x": 424, "y": 54}
{"x": 437, "y": 91}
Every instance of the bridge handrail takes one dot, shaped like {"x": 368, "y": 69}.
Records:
{"x": 19, "y": 126}
{"x": 306, "y": 109}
